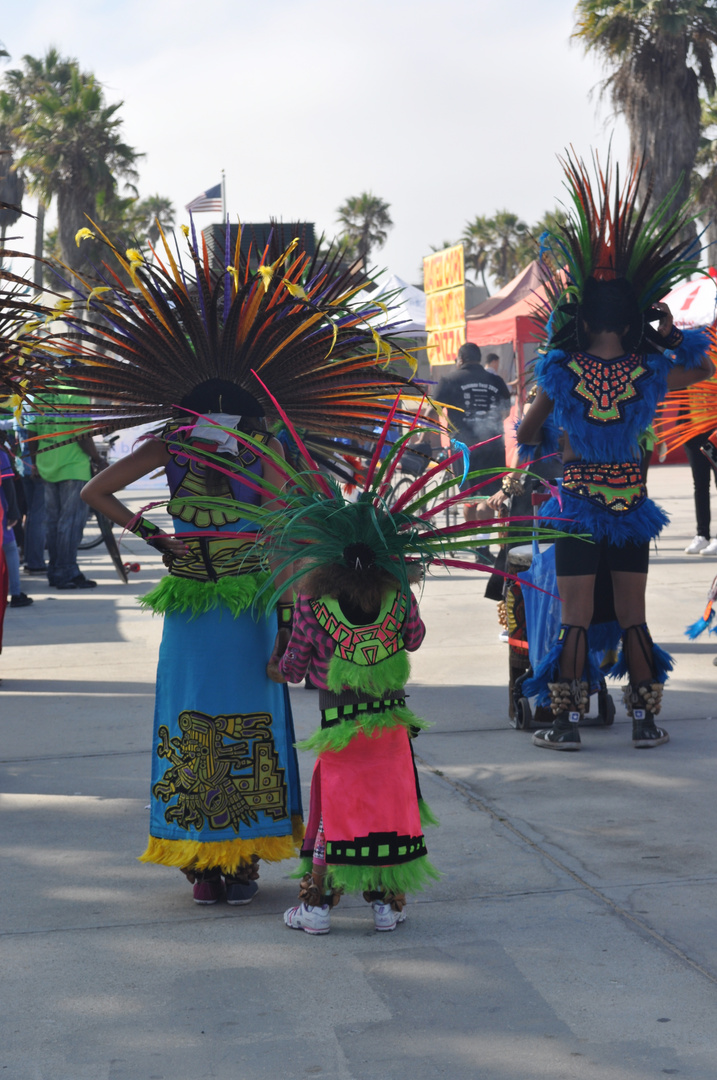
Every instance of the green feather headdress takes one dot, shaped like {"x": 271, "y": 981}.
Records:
{"x": 607, "y": 235}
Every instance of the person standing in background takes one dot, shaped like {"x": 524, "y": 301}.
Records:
{"x": 63, "y": 464}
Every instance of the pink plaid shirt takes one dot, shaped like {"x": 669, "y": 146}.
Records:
{"x": 310, "y": 648}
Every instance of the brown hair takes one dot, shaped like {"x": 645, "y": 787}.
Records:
{"x": 365, "y": 589}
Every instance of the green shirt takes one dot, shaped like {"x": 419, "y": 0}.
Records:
{"x": 68, "y": 461}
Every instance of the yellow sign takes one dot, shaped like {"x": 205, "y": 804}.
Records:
{"x": 444, "y": 283}
{"x": 446, "y": 308}
{"x": 444, "y": 269}
{"x": 443, "y": 345}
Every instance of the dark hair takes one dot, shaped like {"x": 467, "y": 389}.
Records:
{"x": 491, "y": 357}
{"x": 469, "y": 353}
{"x": 220, "y": 395}
{"x": 610, "y": 307}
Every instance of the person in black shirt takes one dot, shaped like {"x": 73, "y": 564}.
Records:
{"x": 485, "y": 400}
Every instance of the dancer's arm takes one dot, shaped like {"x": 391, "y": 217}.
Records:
{"x": 529, "y": 428}
{"x": 99, "y": 492}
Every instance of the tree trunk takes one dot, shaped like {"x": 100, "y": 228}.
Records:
{"x": 39, "y": 243}
{"x": 659, "y": 94}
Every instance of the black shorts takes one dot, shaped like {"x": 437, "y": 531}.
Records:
{"x": 574, "y": 557}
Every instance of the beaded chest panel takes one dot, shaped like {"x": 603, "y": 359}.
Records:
{"x": 606, "y": 386}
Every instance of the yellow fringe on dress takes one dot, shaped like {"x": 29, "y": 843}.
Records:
{"x": 226, "y": 854}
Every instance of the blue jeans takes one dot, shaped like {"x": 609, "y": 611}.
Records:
{"x": 12, "y": 561}
{"x": 65, "y": 517}
{"x": 34, "y": 489}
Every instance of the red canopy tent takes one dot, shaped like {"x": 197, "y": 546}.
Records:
{"x": 506, "y": 318}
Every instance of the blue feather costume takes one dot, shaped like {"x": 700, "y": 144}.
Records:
{"x": 604, "y": 406}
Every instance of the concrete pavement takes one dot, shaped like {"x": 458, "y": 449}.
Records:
{"x": 573, "y": 935}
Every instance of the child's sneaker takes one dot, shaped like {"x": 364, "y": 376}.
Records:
{"x": 385, "y": 917}
{"x": 314, "y": 920}
{"x": 239, "y": 890}
{"x": 208, "y": 889}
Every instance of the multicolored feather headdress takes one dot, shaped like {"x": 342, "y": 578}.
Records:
{"x": 308, "y": 523}
{"x": 147, "y": 333}
{"x": 608, "y": 236}
{"x": 28, "y": 355}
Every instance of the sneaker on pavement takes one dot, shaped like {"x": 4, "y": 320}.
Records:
{"x": 78, "y": 582}
{"x": 311, "y": 919}
{"x": 208, "y": 890}
{"x": 239, "y": 891}
{"x": 34, "y": 569}
{"x": 711, "y": 548}
{"x": 561, "y": 736}
{"x": 697, "y": 545}
{"x": 21, "y": 600}
{"x": 385, "y": 917}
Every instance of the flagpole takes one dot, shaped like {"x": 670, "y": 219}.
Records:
{"x": 224, "y": 197}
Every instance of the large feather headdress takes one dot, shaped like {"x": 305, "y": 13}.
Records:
{"x": 607, "y": 235}
{"x": 147, "y": 332}
{"x": 309, "y": 523}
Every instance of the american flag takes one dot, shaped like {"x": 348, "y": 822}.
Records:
{"x": 209, "y": 200}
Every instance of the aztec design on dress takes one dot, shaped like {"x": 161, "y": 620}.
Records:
{"x": 219, "y": 782}
{"x": 208, "y": 558}
{"x": 619, "y": 488}
{"x": 184, "y": 503}
{"x": 606, "y": 385}
{"x": 363, "y": 645}
{"x": 376, "y": 849}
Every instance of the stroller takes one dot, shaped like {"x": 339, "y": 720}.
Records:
{"x": 533, "y": 625}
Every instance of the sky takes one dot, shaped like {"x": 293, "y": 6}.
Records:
{"x": 445, "y": 110}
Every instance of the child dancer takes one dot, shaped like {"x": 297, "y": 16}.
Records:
{"x": 352, "y": 628}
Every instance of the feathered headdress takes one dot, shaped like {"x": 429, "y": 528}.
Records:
{"x": 27, "y": 358}
{"x": 605, "y": 237}
{"x": 308, "y": 523}
{"x": 147, "y": 333}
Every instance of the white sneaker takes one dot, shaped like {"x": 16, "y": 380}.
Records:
{"x": 314, "y": 920}
{"x": 711, "y": 548}
{"x": 385, "y": 917}
{"x": 697, "y": 545}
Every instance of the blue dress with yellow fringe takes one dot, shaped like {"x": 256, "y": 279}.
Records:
{"x": 225, "y": 782}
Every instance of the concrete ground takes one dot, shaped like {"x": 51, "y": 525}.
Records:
{"x": 573, "y": 934}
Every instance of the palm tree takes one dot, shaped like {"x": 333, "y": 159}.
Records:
{"x": 704, "y": 178}
{"x": 16, "y": 99}
{"x": 508, "y": 252}
{"x": 12, "y": 187}
{"x": 366, "y": 221}
{"x": 153, "y": 209}
{"x": 659, "y": 53}
{"x": 478, "y": 238}
{"x": 69, "y": 143}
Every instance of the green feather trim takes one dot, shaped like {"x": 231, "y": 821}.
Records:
{"x": 390, "y": 674}
{"x": 427, "y": 815}
{"x": 406, "y": 877}
{"x": 176, "y": 595}
{"x": 340, "y": 735}
{"x": 306, "y": 865}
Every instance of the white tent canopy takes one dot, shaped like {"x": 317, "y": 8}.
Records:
{"x": 693, "y": 303}
{"x": 407, "y": 312}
